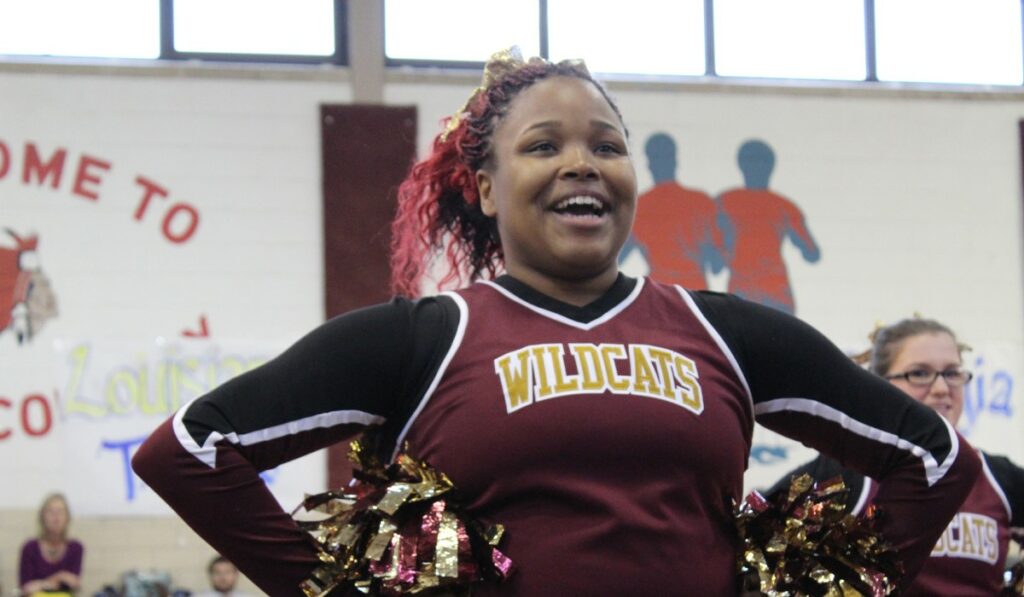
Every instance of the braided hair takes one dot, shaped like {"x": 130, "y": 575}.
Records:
{"x": 439, "y": 203}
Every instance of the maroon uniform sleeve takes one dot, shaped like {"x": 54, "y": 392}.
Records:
{"x": 804, "y": 387}
{"x": 361, "y": 369}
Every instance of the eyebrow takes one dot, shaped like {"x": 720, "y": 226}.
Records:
{"x": 603, "y": 124}
{"x": 922, "y": 365}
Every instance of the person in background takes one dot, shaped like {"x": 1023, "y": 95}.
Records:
{"x": 922, "y": 357}
{"x": 604, "y": 420}
{"x": 223, "y": 578}
{"x": 51, "y": 562}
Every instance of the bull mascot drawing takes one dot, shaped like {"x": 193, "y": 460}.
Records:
{"x": 26, "y": 297}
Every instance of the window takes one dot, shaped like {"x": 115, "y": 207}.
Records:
{"x": 459, "y": 30}
{"x": 648, "y": 37}
{"x": 949, "y": 41}
{"x": 800, "y": 39}
{"x": 296, "y": 27}
{"x": 102, "y": 28}
{"x": 975, "y": 42}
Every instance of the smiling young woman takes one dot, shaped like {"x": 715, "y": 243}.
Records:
{"x": 922, "y": 357}
{"x": 606, "y": 421}
{"x": 562, "y": 189}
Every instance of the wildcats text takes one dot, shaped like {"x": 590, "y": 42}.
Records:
{"x": 544, "y": 371}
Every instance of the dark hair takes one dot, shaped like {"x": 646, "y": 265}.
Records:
{"x": 218, "y": 559}
{"x": 439, "y": 203}
{"x": 886, "y": 341}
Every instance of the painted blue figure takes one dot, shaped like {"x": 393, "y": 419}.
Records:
{"x": 755, "y": 221}
{"x": 675, "y": 226}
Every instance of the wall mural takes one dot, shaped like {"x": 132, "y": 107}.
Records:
{"x": 27, "y": 300}
{"x": 683, "y": 234}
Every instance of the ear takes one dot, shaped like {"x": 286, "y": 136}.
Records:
{"x": 484, "y": 185}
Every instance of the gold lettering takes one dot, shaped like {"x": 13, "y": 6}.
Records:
{"x": 940, "y": 546}
{"x": 515, "y": 379}
{"x": 543, "y": 385}
{"x": 663, "y": 357}
{"x": 609, "y": 354}
{"x": 564, "y": 383}
{"x": 955, "y": 535}
{"x": 690, "y": 393}
{"x": 991, "y": 540}
{"x": 967, "y": 538}
{"x": 541, "y": 371}
{"x": 588, "y": 363}
{"x": 978, "y": 534}
{"x": 643, "y": 375}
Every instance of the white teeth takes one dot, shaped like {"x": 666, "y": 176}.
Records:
{"x": 580, "y": 200}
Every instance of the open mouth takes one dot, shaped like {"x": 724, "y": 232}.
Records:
{"x": 582, "y": 206}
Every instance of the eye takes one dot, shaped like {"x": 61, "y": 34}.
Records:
{"x": 957, "y": 376}
{"x": 921, "y": 375}
{"x": 541, "y": 147}
{"x": 609, "y": 148}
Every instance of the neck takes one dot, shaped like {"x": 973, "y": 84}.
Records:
{"x": 51, "y": 537}
{"x": 576, "y": 292}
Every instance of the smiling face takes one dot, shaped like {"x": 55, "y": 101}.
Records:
{"x": 562, "y": 187}
{"x": 933, "y": 352}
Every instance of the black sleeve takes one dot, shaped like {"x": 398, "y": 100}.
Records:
{"x": 1010, "y": 479}
{"x": 802, "y": 386}
{"x": 364, "y": 368}
{"x": 368, "y": 367}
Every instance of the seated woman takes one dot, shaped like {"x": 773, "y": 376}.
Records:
{"x": 922, "y": 358}
{"x": 51, "y": 563}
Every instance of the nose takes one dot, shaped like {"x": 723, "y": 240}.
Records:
{"x": 940, "y": 386}
{"x": 579, "y": 165}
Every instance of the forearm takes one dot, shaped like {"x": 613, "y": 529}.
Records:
{"x": 35, "y": 586}
{"x": 66, "y": 578}
{"x": 56, "y": 581}
{"x": 914, "y": 517}
{"x": 231, "y": 508}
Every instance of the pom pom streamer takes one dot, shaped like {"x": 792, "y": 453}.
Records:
{"x": 1014, "y": 580}
{"x": 800, "y": 543}
{"x": 398, "y": 531}
{"x": 1014, "y": 576}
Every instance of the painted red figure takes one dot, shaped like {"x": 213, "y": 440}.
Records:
{"x": 675, "y": 225}
{"x": 755, "y": 222}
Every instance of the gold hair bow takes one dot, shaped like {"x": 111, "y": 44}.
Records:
{"x": 498, "y": 65}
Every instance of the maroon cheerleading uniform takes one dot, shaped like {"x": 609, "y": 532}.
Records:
{"x": 609, "y": 439}
{"x": 969, "y": 558}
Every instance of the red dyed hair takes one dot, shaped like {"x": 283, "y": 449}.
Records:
{"x": 439, "y": 203}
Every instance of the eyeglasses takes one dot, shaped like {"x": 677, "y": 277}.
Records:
{"x": 926, "y": 377}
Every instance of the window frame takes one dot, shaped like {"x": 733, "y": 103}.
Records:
{"x": 339, "y": 58}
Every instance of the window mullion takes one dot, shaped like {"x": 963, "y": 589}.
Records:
{"x": 870, "y": 55}
{"x": 709, "y": 38}
{"x": 542, "y": 6}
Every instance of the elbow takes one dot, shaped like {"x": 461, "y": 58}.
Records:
{"x": 154, "y": 454}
